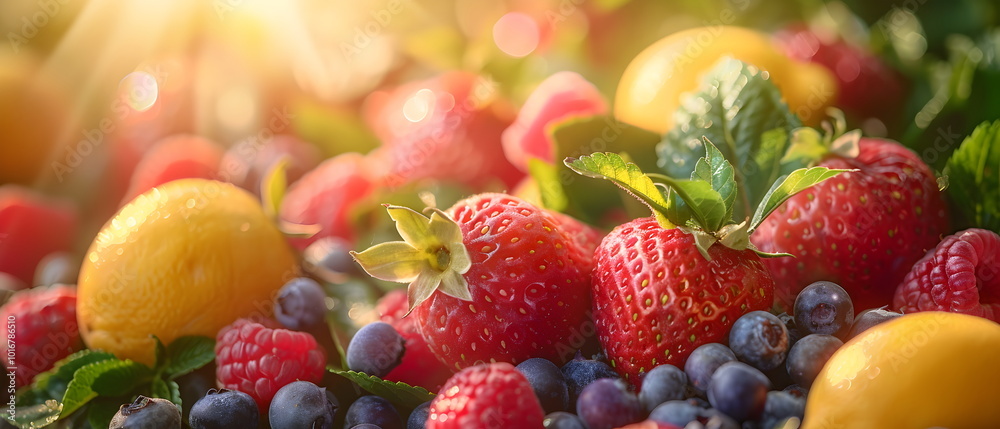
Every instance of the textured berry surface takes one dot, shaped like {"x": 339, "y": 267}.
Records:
{"x": 808, "y": 356}
{"x": 32, "y": 227}
{"x": 373, "y": 410}
{"x": 301, "y": 304}
{"x": 486, "y": 396}
{"x": 661, "y": 384}
{"x": 548, "y": 383}
{"x": 224, "y": 409}
{"x": 259, "y": 360}
{"x": 656, "y": 298}
{"x": 703, "y": 362}
{"x": 419, "y": 366}
{"x": 678, "y": 413}
{"x": 418, "y": 417}
{"x": 580, "y": 372}
{"x": 862, "y": 230}
{"x": 529, "y": 283}
{"x": 738, "y": 390}
{"x": 46, "y": 330}
{"x": 780, "y": 406}
{"x": 147, "y": 413}
{"x": 824, "y": 308}
{"x": 302, "y": 404}
{"x": 960, "y": 275}
{"x": 607, "y": 404}
{"x": 563, "y": 420}
{"x": 760, "y": 339}
{"x": 375, "y": 349}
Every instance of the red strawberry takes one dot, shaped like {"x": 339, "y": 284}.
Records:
{"x": 259, "y": 360}
{"x": 862, "y": 230}
{"x": 31, "y": 227}
{"x": 494, "y": 280}
{"x": 326, "y": 195}
{"x": 960, "y": 276}
{"x": 246, "y": 163}
{"x": 44, "y": 321}
{"x": 486, "y": 396}
{"x": 419, "y": 366}
{"x": 175, "y": 157}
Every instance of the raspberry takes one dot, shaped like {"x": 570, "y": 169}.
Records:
{"x": 259, "y": 360}
{"x": 486, "y": 396}
{"x": 960, "y": 275}
{"x": 44, "y": 330}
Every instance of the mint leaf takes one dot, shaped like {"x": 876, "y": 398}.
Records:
{"x": 187, "y": 354}
{"x": 398, "y": 393}
{"x": 102, "y": 410}
{"x": 546, "y": 176}
{"x": 166, "y": 389}
{"x": 714, "y": 169}
{"x": 973, "y": 173}
{"x": 36, "y": 416}
{"x": 787, "y": 186}
{"x": 734, "y": 107}
{"x": 108, "y": 378}
{"x": 52, "y": 384}
{"x": 627, "y": 175}
{"x": 695, "y": 200}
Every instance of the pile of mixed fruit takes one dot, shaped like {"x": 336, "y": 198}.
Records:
{"x": 718, "y": 250}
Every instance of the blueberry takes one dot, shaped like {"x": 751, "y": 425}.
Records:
{"x": 607, "y": 404}
{"x": 301, "y": 304}
{"x": 715, "y": 419}
{"x": 703, "y": 362}
{"x": 808, "y": 356}
{"x": 661, "y": 384}
{"x": 330, "y": 259}
{"x": 796, "y": 391}
{"x": 738, "y": 390}
{"x": 376, "y": 349}
{"x": 824, "y": 308}
{"x": 563, "y": 420}
{"x": 871, "y": 317}
{"x": 780, "y": 406}
{"x": 418, "y": 417}
{"x": 224, "y": 409}
{"x": 794, "y": 334}
{"x": 548, "y": 383}
{"x": 581, "y": 372}
{"x": 677, "y": 413}
{"x": 301, "y": 404}
{"x": 147, "y": 413}
{"x": 375, "y": 410}
{"x": 366, "y": 426}
{"x": 760, "y": 339}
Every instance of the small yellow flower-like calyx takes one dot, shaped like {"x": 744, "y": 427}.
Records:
{"x": 431, "y": 256}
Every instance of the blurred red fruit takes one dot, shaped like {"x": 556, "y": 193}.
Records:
{"x": 419, "y": 367}
{"x": 31, "y": 227}
{"x": 176, "y": 157}
{"x": 246, "y": 163}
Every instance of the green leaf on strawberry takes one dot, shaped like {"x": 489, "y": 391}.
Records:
{"x": 787, "y": 186}
{"x": 627, "y": 175}
{"x": 973, "y": 172}
{"x": 111, "y": 377}
{"x": 397, "y": 392}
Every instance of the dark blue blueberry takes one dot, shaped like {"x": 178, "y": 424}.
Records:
{"x": 793, "y": 332}
{"x": 563, "y": 420}
{"x": 375, "y": 349}
{"x": 703, "y": 362}
{"x": 715, "y": 419}
{"x": 808, "y": 356}
{"x": 796, "y": 391}
{"x": 301, "y": 304}
{"x": 329, "y": 258}
{"x": 418, "y": 417}
{"x": 760, "y": 339}
{"x": 375, "y": 410}
{"x": 224, "y": 409}
{"x": 824, "y": 308}
{"x": 677, "y": 413}
{"x": 366, "y": 426}
{"x": 607, "y": 404}
{"x": 698, "y": 402}
{"x": 780, "y": 406}
{"x": 301, "y": 404}
{"x": 869, "y": 318}
{"x": 147, "y": 413}
{"x": 661, "y": 384}
{"x": 548, "y": 383}
{"x": 579, "y": 373}
{"x": 738, "y": 390}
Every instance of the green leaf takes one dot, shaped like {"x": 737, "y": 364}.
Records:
{"x": 102, "y": 410}
{"x": 973, "y": 174}
{"x": 626, "y": 175}
{"x": 52, "y": 383}
{"x": 108, "y": 378}
{"x": 159, "y": 354}
{"x": 715, "y": 170}
{"x": 187, "y": 354}
{"x": 398, "y": 393}
{"x": 785, "y": 187}
{"x": 38, "y": 415}
{"x": 546, "y": 175}
{"x": 734, "y": 107}
{"x": 695, "y": 200}
{"x": 273, "y": 186}
{"x": 166, "y": 389}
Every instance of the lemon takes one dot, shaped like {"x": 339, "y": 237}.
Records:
{"x": 186, "y": 258}
{"x": 917, "y": 371}
{"x": 650, "y": 89}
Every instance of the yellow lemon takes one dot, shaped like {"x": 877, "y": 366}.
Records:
{"x": 185, "y": 258}
{"x": 650, "y": 89}
{"x": 917, "y": 371}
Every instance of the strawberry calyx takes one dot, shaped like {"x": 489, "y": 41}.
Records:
{"x": 431, "y": 257}
{"x": 808, "y": 145}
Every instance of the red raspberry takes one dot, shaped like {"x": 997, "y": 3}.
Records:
{"x": 419, "y": 366}
{"x": 492, "y": 395}
{"x": 258, "y": 360}
{"x": 960, "y": 275}
{"x": 41, "y": 325}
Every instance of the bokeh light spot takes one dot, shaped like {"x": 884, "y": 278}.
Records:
{"x": 419, "y": 106}
{"x": 139, "y": 90}
{"x": 516, "y": 34}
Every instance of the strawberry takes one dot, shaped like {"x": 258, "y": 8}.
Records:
{"x": 495, "y": 279}
{"x": 31, "y": 227}
{"x": 486, "y": 396}
{"x": 863, "y": 229}
{"x": 175, "y": 157}
{"x": 664, "y": 285}
{"x": 419, "y": 366}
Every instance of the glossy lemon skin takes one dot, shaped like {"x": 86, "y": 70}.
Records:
{"x": 930, "y": 369}
{"x": 186, "y": 258}
{"x": 651, "y": 87}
